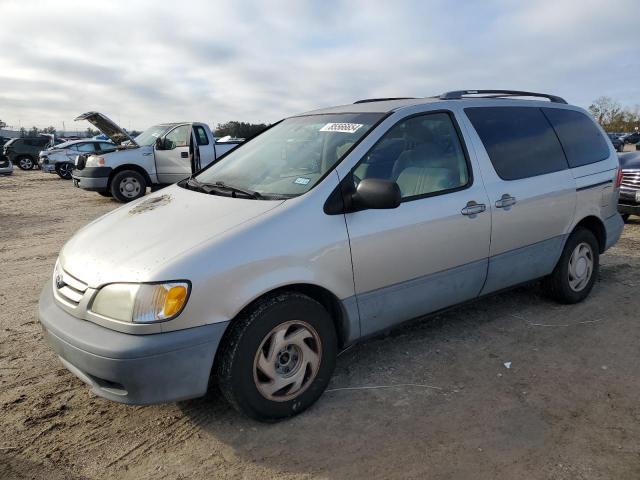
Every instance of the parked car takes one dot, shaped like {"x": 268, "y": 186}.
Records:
{"x": 24, "y": 151}
{"x": 61, "y": 158}
{"x": 327, "y": 228}
{"x": 632, "y": 138}
{"x": 618, "y": 144}
{"x": 161, "y": 155}
{"x": 629, "y": 202}
{"x": 6, "y": 167}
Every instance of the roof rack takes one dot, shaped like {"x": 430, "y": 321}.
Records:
{"x": 459, "y": 94}
{"x": 369, "y": 100}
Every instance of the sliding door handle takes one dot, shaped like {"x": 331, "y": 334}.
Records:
{"x": 506, "y": 201}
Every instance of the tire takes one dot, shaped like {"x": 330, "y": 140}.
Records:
{"x": 64, "y": 170}
{"x": 625, "y": 217}
{"x": 105, "y": 194}
{"x": 576, "y": 271}
{"x": 127, "y": 186}
{"x": 25, "y": 163}
{"x": 246, "y": 368}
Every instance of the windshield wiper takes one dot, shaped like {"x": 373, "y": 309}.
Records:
{"x": 245, "y": 191}
{"x": 220, "y": 187}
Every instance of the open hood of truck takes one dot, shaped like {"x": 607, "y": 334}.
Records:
{"x": 107, "y": 126}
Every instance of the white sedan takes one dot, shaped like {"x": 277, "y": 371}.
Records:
{"x": 60, "y": 158}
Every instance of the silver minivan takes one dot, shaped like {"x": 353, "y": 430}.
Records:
{"x": 329, "y": 227}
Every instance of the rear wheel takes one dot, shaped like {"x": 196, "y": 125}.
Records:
{"x": 577, "y": 269}
{"x": 278, "y": 357}
{"x": 64, "y": 170}
{"x": 25, "y": 163}
{"x": 127, "y": 186}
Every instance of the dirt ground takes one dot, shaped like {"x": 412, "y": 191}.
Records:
{"x": 567, "y": 408}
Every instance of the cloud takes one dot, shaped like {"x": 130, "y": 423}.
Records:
{"x": 146, "y": 61}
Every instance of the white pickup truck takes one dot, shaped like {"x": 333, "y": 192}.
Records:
{"x": 161, "y": 155}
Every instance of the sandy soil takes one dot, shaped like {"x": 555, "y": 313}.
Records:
{"x": 567, "y": 408}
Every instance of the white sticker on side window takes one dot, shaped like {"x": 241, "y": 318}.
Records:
{"x": 301, "y": 180}
{"x": 341, "y": 127}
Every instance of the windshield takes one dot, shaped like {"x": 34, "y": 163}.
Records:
{"x": 290, "y": 158}
{"x": 149, "y": 136}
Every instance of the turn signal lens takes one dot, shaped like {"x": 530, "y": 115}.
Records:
{"x": 173, "y": 302}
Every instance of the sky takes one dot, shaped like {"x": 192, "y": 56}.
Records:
{"x": 142, "y": 62}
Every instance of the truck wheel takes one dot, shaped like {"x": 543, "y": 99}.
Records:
{"x": 277, "y": 358}
{"x": 625, "y": 217}
{"x": 127, "y": 186}
{"x": 64, "y": 170}
{"x": 577, "y": 269}
{"x": 25, "y": 163}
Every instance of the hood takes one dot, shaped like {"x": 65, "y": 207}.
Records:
{"x": 629, "y": 159}
{"x": 137, "y": 241}
{"x": 116, "y": 134}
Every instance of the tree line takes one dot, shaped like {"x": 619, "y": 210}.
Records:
{"x": 239, "y": 129}
{"x": 613, "y": 117}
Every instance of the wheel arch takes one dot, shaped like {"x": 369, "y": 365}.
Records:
{"x": 343, "y": 322}
{"x": 129, "y": 166}
{"x": 596, "y": 226}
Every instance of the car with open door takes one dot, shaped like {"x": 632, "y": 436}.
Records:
{"x": 161, "y": 155}
{"x": 327, "y": 228}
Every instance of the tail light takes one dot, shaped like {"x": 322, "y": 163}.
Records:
{"x": 619, "y": 178}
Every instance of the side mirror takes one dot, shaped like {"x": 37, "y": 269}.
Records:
{"x": 159, "y": 143}
{"x": 375, "y": 193}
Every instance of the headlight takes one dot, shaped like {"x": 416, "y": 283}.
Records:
{"x": 95, "y": 161}
{"x": 141, "y": 302}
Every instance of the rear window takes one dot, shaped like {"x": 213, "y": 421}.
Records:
{"x": 201, "y": 135}
{"x": 581, "y": 139}
{"x": 519, "y": 141}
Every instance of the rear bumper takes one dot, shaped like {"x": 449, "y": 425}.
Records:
{"x": 135, "y": 369}
{"x": 628, "y": 209}
{"x": 613, "y": 228}
{"x": 94, "y": 179}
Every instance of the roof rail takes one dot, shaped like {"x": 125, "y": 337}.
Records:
{"x": 459, "y": 94}
{"x": 369, "y": 100}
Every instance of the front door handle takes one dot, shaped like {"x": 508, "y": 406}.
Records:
{"x": 506, "y": 201}
{"x": 473, "y": 208}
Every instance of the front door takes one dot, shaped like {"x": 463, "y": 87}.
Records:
{"x": 173, "y": 159}
{"x": 430, "y": 252}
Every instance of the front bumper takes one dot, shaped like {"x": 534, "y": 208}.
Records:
{"x": 135, "y": 369}
{"x": 48, "y": 167}
{"x": 95, "y": 179}
{"x": 627, "y": 203}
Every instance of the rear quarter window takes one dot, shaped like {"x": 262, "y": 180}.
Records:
{"x": 519, "y": 141}
{"x": 581, "y": 139}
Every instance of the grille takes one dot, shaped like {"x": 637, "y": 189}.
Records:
{"x": 631, "y": 179}
{"x": 69, "y": 288}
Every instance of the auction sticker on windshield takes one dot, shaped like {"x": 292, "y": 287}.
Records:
{"x": 341, "y": 127}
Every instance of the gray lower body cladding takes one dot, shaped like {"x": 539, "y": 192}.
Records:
{"x": 136, "y": 369}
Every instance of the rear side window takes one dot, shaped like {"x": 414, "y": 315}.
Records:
{"x": 519, "y": 140}
{"x": 582, "y": 141}
{"x": 201, "y": 135}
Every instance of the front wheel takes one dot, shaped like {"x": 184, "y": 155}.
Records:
{"x": 64, "y": 170}
{"x": 278, "y": 357}
{"x": 576, "y": 271}
{"x": 127, "y": 186}
{"x": 25, "y": 163}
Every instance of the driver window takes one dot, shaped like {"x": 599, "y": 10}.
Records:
{"x": 422, "y": 154}
{"x": 178, "y": 137}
